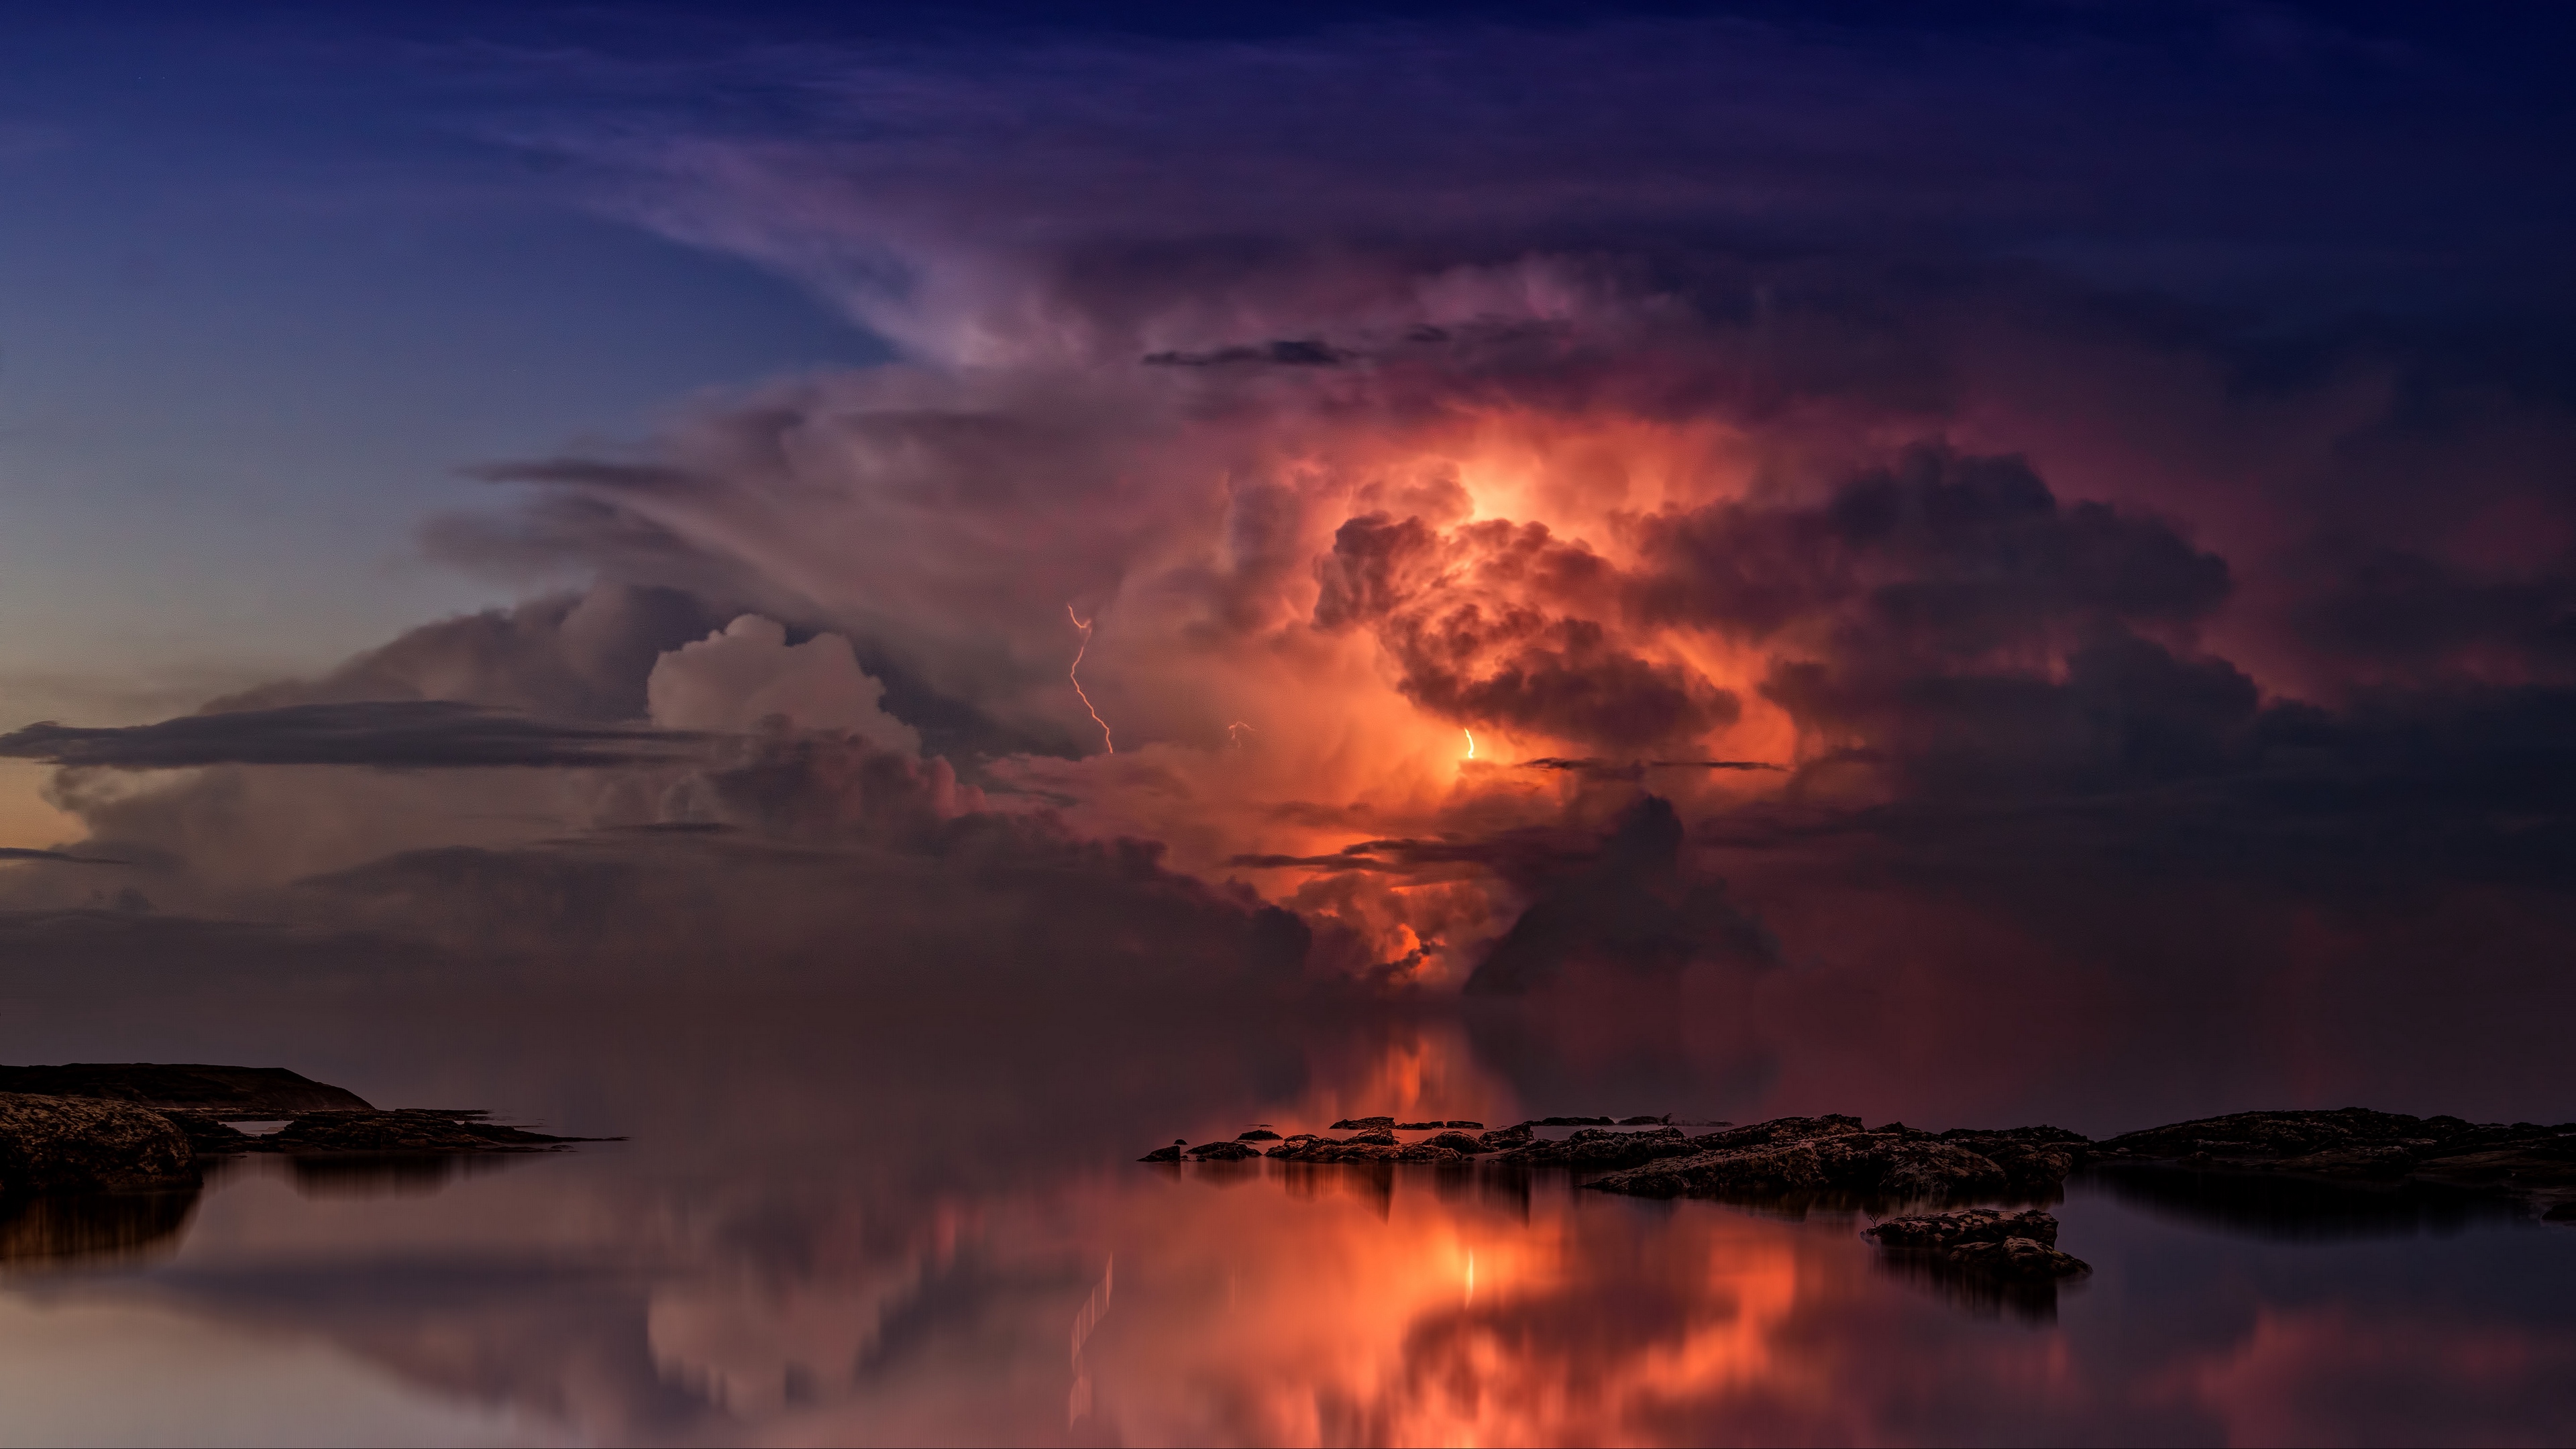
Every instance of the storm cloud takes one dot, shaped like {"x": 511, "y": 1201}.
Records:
{"x": 382, "y": 734}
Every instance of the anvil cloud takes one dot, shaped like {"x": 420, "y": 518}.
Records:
{"x": 1965, "y": 473}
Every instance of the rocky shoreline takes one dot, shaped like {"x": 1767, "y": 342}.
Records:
{"x": 1838, "y": 1157}
{"x": 141, "y": 1127}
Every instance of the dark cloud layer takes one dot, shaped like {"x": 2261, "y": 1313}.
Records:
{"x": 383, "y": 734}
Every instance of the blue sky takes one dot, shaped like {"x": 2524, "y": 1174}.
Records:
{"x": 263, "y": 292}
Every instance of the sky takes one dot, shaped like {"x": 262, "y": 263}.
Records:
{"x": 1636, "y": 505}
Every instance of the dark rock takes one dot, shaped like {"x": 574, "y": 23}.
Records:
{"x": 2018, "y": 1258}
{"x": 1380, "y": 1137}
{"x": 1816, "y": 1154}
{"x": 1224, "y": 1151}
{"x": 1458, "y": 1142}
{"x": 1419, "y": 1126}
{"x": 210, "y": 1135}
{"x": 1598, "y": 1149}
{"x": 1257, "y": 1134}
{"x": 2522, "y": 1161}
{"x": 1469, "y": 1126}
{"x": 1503, "y": 1137}
{"x": 1362, "y": 1124}
{"x": 1643, "y": 1121}
{"x": 1982, "y": 1258}
{"x": 1348, "y": 1150}
{"x": 405, "y": 1130}
{"x": 1569, "y": 1122}
{"x": 190, "y": 1086}
{"x": 2032, "y": 1158}
{"x": 1162, "y": 1154}
{"x": 89, "y": 1144}
{"x": 1971, "y": 1225}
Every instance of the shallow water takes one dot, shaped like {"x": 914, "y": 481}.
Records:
{"x": 841, "y": 1221}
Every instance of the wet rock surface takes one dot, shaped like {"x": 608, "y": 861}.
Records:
{"x": 2019, "y": 1245}
{"x": 1837, "y": 1157}
{"x": 2022, "y": 1259}
{"x": 89, "y": 1144}
{"x": 1836, "y": 1154}
{"x": 2524, "y": 1161}
{"x": 1984, "y": 1259}
{"x": 1599, "y": 1148}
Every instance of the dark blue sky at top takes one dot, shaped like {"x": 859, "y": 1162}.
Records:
{"x": 269, "y": 277}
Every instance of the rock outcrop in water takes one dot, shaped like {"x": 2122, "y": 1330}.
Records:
{"x": 1836, "y": 1154}
{"x": 76, "y": 1144}
{"x": 144, "y": 1126}
{"x": 2021, "y": 1246}
{"x": 1598, "y": 1149}
{"x": 2523, "y": 1160}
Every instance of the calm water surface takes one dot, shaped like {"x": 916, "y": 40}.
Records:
{"x": 843, "y": 1222}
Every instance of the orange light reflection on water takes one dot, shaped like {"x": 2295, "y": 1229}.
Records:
{"x": 1418, "y": 1309}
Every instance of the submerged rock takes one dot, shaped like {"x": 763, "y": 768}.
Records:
{"x": 89, "y": 1144}
{"x": 1664, "y": 1120}
{"x": 1362, "y": 1124}
{"x": 1458, "y": 1142}
{"x": 1162, "y": 1154}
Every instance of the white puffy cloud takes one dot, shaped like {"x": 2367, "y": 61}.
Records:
{"x": 746, "y": 672}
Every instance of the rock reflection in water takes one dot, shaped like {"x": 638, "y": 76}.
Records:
{"x": 2301, "y": 1209}
{"x": 93, "y": 1228}
{"x": 389, "y": 1174}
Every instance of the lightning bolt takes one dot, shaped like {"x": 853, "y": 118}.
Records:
{"x": 1075, "y": 674}
{"x": 1471, "y": 740}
